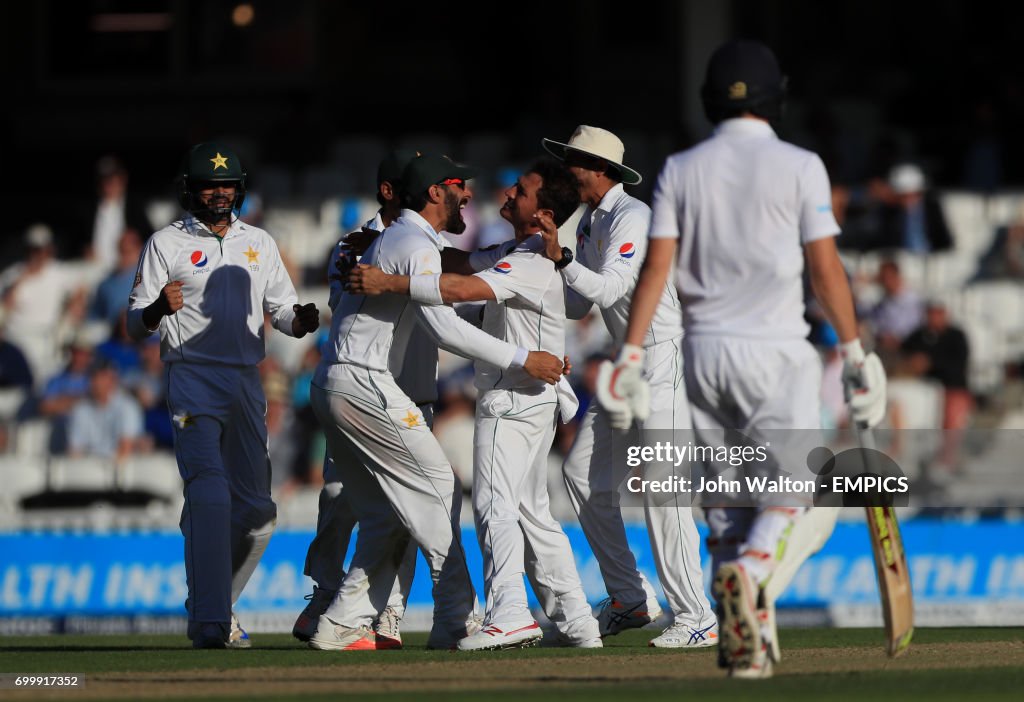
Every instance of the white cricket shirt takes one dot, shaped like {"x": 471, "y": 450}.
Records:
{"x": 228, "y": 284}
{"x": 365, "y": 329}
{"x": 611, "y": 242}
{"x": 743, "y": 203}
{"x": 529, "y": 312}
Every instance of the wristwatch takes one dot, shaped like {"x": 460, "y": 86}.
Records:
{"x": 566, "y": 258}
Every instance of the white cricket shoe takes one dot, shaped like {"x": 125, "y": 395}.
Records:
{"x": 237, "y": 638}
{"x": 681, "y": 635}
{"x": 387, "y": 630}
{"x": 440, "y": 640}
{"x": 334, "y": 637}
{"x": 493, "y": 637}
{"x": 615, "y": 617}
{"x": 305, "y": 624}
{"x": 742, "y": 643}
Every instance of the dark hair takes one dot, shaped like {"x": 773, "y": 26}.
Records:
{"x": 414, "y": 201}
{"x": 559, "y": 191}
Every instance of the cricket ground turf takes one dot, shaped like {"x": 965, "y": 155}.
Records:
{"x": 834, "y": 664}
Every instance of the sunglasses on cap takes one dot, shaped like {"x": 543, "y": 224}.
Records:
{"x": 454, "y": 181}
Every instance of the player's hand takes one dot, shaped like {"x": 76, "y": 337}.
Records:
{"x": 171, "y": 298}
{"x": 622, "y": 390}
{"x": 549, "y": 232}
{"x": 864, "y": 384}
{"x": 307, "y": 319}
{"x": 359, "y": 242}
{"x": 344, "y": 262}
{"x": 368, "y": 280}
{"x": 566, "y": 365}
{"x": 543, "y": 366}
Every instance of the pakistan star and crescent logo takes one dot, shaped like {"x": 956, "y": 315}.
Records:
{"x": 219, "y": 161}
{"x": 411, "y": 419}
{"x": 253, "y": 256}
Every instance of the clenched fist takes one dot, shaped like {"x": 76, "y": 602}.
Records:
{"x": 307, "y": 319}
{"x": 171, "y": 300}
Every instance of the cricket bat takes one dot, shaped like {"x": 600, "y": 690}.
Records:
{"x": 890, "y": 567}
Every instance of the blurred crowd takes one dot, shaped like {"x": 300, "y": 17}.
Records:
{"x": 66, "y": 360}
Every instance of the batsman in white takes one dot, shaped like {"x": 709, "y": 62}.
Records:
{"x": 741, "y": 212}
{"x": 515, "y": 417}
{"x": 205, "y": 282}
{"x": 397, "y": 478}
{"x": 418, "y": 380}
{"x": 611, "y": 244}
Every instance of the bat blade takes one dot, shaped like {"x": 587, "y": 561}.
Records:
{"x": 893, "y": 579}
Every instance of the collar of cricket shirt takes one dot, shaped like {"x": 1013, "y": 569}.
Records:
{"x": 745, "y": 126}
{"x": 195, "y": 226}
{"x": 423, "y": 224}
{"x": 611, "y": 197}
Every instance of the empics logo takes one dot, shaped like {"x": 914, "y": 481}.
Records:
{"x": 503, "y": 267}
{"x": 199, "y": 259}
{"x": 627, "y": 250}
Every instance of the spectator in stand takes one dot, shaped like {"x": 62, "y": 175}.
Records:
{"x": 64, "y": 390}
{"x": 37, "y": 295}
{"x": 912, "y": 220}
{"x": 111, "y": 298}
{"x": 14, "y": 368}
{"x": 1004, "y": 259}
{"x": 939, "y": 350}
{"x": 148, "y": 385}
{"x": 108, "y": 422}
{"x": 114, "y": 211}
{"x": 120, "y": 349}
{"x": 898, "y": 313}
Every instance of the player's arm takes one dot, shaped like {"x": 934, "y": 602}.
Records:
{"x": 153, "y": 297}
{"x": 831, "y": 287}
{"x": 282, "y": 303}
{"x": 444, "y": 288}
{"x": 650, "y": 287}
{"x": 615, "y": 277}
{"x": 469, "y": 262}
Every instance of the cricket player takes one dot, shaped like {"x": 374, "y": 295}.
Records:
{"x": 205, "y": 282}
{"x": 335, "y": 518}
{"x": 611, "y": 244}
{"x": 397, "y": 479}
{"x": 515, "y": 419}
{"x": 743, "y": 210}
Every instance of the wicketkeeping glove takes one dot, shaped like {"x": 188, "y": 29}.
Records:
{"x": 622, "y": 390}
{"x": 863, "y": 384}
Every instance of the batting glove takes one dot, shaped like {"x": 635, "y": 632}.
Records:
{"x": 863, "y": 384}
{"x": 622, "y": 390}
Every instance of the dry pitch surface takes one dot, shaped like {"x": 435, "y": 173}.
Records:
{"x": 834, "y": 664}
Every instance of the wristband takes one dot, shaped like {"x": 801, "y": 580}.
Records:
{"x": 426, "y": 289}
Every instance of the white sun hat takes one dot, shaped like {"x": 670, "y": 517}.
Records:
{"x": 598, "y": 142}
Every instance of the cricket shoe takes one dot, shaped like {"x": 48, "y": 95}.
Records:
{"x": 334, "y": 637}
{"x": 615, "y": 617}
{"x": 238, "y": 638}
{"x": 305, "y": 624}
{"x": 681, "y": 635}
{"x": 742, "y": 645}
{"x": 493, "y": 637}
{"x": 387, "y": 630}
{"x": 447, "y": 641}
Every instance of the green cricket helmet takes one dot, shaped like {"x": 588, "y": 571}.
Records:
{"x": 209, "y": 162}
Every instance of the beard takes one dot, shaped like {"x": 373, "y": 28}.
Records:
{"x": 455, "y": 224}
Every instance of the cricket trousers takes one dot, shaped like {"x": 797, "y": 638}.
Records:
{"x": 220, "y": 441}
{"x": 595, "y": 472}
{"x": 397, "y": 482}
{"x": 512, "y": 511}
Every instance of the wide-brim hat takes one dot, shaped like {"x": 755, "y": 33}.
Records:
{"x": 596, "y": 142}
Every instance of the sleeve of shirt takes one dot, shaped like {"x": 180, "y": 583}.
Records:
{"x": 279, "y": 295}
{"x": 620, "y": 262}
{"x": 665, "y": 207}
{"x": 335, "y": 285}
{"x": 449, "y": 331}
{"x": 151, "y": 276}
{"x": 78, "y": 430}
{"x": 483, "y": 259}
{"x": 521, "y": 273}
{"x": 816, "y": 218}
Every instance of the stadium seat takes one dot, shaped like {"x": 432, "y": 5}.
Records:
{"x": 20, "y": 478}
{"x": 161, "y": 212}
{"x": 156, "y": 473}
{"x": 292, "y": 228}
{"x": 85, "y": 473}
{"x": 967, "y": 217}
{"x": 32, "y": 439}
{"x": 11, "y": 400}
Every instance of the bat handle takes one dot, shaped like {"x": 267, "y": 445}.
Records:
{"x": 866, "y": 435}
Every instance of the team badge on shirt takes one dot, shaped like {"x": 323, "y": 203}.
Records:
{"x": 503, "y": 267}
{"x": 411, "y": 419}
{"x": 253, "y": 258}
{"x": 627, "y": 250}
